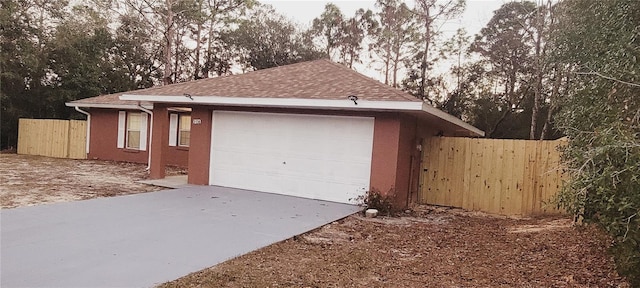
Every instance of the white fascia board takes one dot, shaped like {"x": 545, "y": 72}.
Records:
{"x": 451, "y": 119}
{"x": 280, "y": 102}
{"x": 109, "y": 106}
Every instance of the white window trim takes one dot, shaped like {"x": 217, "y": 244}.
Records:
{"x": 173, "y": 129}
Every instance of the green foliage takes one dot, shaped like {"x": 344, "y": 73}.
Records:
{"x": 601, "y": 116}
{"x": 328, "y": 27}
{"x": 394, "y": 36}
{"x": 341, "y": 36}
{"x": 504, "y": 47}
{"x": 430, "y": 16}
{"x": 267, "y": 39}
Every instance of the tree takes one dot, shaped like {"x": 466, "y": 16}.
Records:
{"x": 78, "y": 59}
{"x": 161, "y": 16}
{"x": 457, "y": 102}
{"x": 545, "y": 73}
{"x": 134, "y": 56}
{"x": 353, "y": 32}
{"x": 26, "y": 29}
{"x": 431, "y": 14}
{"x": 328, "y": 28}
{"x": 601, "y": 116}
{"x": 394, "y": 37}
{"x": 267, "y": 39}
{"x": 503, "y": 47}
{"x": 340, "y": 37}
{"x": 215, "y": 21}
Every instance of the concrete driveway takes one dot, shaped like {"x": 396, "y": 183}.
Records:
{"x": 146, "y": 239}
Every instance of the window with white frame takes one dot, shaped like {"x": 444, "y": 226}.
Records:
{"x": 132, "y": 130}
{"x": 179, "y": 129}
{"x": 184, "y": 131}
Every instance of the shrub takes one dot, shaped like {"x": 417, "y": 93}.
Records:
{"x": 374, "y": 199}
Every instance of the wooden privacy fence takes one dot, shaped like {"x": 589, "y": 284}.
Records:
{"x": 52, "y": 138}
{"x": 508, "y": 177}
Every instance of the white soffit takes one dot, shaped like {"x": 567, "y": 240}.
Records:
{"x": 280, "y": 102}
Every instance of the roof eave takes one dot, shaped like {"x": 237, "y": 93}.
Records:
{"x": 108, "y": 106}
{"x": 345, "y": 104}
{"x": 452, "y": 119}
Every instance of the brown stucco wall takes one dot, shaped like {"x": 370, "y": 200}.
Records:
{"x": 178, "y": 156}
{"x": 396, "y": 162}
{"x": 104, "y": 138}
{"x": 384, "y": 163}
{"x": 200, "y": 146}
{"x": 406, "y": 157}
{"x": 159, "y": 142}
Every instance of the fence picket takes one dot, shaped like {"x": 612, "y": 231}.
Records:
{"x": 509, "y": 177}
{"x": 52, "y": 138}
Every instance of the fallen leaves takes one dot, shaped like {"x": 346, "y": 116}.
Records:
{"x": 435, "y": 249}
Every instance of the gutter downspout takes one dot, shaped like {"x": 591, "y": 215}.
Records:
{"x": 88, "y": 126}
{"x": 150, "y": 133}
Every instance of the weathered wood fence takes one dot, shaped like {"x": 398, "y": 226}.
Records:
{"x": 508, "y": 177}
{"x": 53, "y": 138}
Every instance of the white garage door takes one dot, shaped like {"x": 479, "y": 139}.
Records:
{"x": 318, "y": 157}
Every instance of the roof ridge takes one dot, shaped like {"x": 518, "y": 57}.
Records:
{"x": 394, "y": 89}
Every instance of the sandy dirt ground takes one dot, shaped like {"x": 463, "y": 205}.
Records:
{"x": 428, "y": 248}
{"x": 32, "y": 180}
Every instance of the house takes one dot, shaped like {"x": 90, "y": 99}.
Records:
{"x": 314, "y": 129}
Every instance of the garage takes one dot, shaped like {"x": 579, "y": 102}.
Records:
{"x": 312, "y": 156}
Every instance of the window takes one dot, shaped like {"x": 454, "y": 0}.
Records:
{"x": 184, "y": 131}
{"x": 133, "y": 130}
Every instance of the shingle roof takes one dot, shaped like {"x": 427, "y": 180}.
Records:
{"x": 319, "y": 79}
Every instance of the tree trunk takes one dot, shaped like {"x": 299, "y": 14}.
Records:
{"x": 459, "y": 72}
{"x": 423, "y": 66}
{"x": 495, "y": 125}
{"x": 176, "y": 66}
{"x": 386, "y": 71}
{"x": 553, "y": 99}
{"x": 196, "y": 64}
{"x": 166, "y": 75}
{"x": 537, "y": 93}
{"x": 395, "y": 68}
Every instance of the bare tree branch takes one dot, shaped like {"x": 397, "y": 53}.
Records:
{"x": 608, "y": 78}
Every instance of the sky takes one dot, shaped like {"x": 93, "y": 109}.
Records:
{"x": 476, "y": 15}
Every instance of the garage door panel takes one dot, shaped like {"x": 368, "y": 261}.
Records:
{"x": 321, "y": 157}
{"x": 344, "y": 172}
